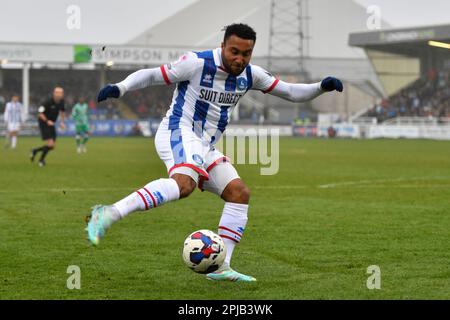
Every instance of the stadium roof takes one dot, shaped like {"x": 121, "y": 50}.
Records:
{"x": 328, "y": 29}
{"x": 141, "y": 21}
{"x": 405, "y": 41}
{"x": 178, "y": 23}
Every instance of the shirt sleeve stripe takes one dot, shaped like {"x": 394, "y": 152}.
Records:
{"x": 164, "y": 74}
{"x": 274, "y": 84}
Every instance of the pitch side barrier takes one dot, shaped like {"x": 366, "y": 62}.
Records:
{"x": 97, "y": 128}
{"x": 147, "y": 128}
{"x": 389, "y": 131}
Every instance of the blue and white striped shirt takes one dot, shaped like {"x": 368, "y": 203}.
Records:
{"x": 206, "y": 94}
{"x": 13, "y": 113}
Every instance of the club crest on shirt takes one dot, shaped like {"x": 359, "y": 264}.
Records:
{"x": 242, "y": 83}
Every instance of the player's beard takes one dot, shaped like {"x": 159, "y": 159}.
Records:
{"x": 236, "y": 70}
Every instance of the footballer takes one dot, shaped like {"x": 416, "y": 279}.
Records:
{"x": 13, "y": 118}
{"x": 81, "y": 117}
{"x": 209, "y": 84}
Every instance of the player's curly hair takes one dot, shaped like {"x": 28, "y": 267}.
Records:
{"x": 240, "y": 30}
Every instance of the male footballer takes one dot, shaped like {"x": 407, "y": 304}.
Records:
{"x": 209, "y": 84}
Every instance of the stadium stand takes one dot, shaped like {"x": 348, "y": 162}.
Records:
{"x": 151, "y": 102}
{"x": 142, "y": 104}
{"x": 429, "y": 96}
{"x": 77, "y": 83}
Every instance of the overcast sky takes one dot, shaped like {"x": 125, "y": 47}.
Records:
{"x": 115, "y": 22}
{"x": 410, "y": 13}
{"x": 102, "y": 21}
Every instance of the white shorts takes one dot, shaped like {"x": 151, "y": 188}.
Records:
{"x": 183, "y": 152}
{"x": 13, "y": 126}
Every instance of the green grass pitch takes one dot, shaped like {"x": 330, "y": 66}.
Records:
{"x": 335, "y": 208}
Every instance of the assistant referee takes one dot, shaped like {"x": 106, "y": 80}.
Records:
{"x": 48, "y": 114}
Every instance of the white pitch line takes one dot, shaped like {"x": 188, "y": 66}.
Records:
{"x": 408, "y": 186}
{"x": 61, "y": 190}
{"x": 88, "y": 189}
{"x": 343, "y": 184}
{"x": 359, "y": 184}
{"x": 281, "y": 187}
{"x": 377, "y": 181}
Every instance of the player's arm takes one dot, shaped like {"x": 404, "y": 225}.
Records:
{"x": 178, "y": 71}
{"x": 21, "y": 114}
{"x": 21, "y": 118}
{"x": 42, "y": 116}
{"x": 299, "y": 92}
{"x": 5, "y": 115}
{"x": 295, "y": 92}
{"x": 62, "y": 115}
{"x": 74, "y": 112}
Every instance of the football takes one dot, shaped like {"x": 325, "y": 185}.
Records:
{"x": 204, "y": 251}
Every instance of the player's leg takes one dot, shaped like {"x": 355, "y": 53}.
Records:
{"x": 225, "y": 182}
{"x": 183, "y": 178}
{"x": 78, "y": 140}
{"x": 46, "y": 134}
{"x": 10, "y": 130}
{"x": 7, "y": 139}
{"x": 13, "y": 135}
{"x": 152, "y": 195}
{"x": 14, "y": 131}
{"x": 231, "y": 228}
{"x": 78, "y": 134}
{"x": 156, "y": 193}
{"x": 50, "y": 145}
{"x": 85, "y": 138}
{"x": 234, "y": 216}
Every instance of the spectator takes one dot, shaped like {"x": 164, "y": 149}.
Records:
{"x": 427, "y": 97}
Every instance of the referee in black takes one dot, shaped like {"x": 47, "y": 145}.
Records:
{"x": 48, "y": 114}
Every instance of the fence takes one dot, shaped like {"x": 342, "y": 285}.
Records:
{"x": 439, "y": 130}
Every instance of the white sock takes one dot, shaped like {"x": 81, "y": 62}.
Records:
{"x": 151, "y": 196}
{"x": 232, "y": 225}
{"x": 13, "y": 142}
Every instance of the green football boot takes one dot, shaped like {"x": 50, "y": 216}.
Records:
{"x": 225, "y": 273}
{"x": 97, "y": 222}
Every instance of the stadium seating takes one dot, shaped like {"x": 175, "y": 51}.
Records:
{"x": 429, "y": 96}
{"x": 148, "y": 103}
